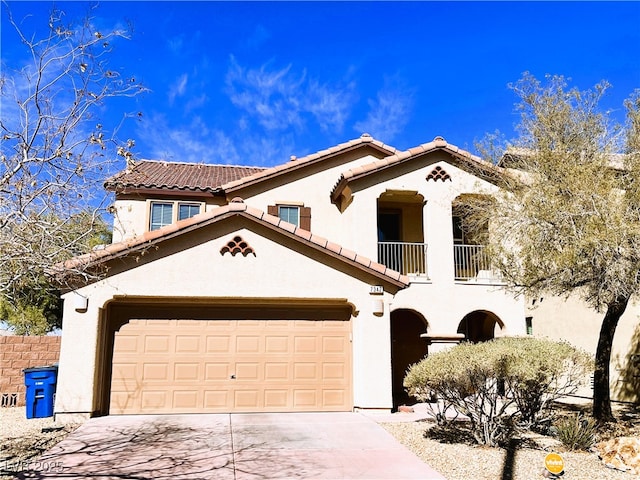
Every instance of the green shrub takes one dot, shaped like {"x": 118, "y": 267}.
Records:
{"x": 499, "y": 384}
{"x": 577, "y": 432}
{"x": 539, "y": 371}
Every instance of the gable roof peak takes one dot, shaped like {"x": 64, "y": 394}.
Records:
{"x": 294, "y": 163}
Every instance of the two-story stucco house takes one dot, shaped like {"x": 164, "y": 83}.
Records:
{"x": 309, "y": 286}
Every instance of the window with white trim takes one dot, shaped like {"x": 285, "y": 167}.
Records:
{"x": 162, "y": 213}
{"x": 289, "y": 213}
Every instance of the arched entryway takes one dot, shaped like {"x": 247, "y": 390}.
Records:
{"x": 480, "y": 326}
{"x": 407, "y": 348}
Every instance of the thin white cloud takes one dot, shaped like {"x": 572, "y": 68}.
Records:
{"x": 280, "y": 98}
{"x": 388, "y": 113}
{"x": 196, "y": 102}
{"x": 331, "y": 107}
{"x": 178, "y": 88}
{"x": 196, "y": 142}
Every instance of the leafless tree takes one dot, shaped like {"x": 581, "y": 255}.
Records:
{"x": 55, "y": 151}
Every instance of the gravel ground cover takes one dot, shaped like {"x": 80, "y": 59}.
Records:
{"x": 467, "y": 462}
{"x": 22, "y": 440}
{"x": 523, "y": 460}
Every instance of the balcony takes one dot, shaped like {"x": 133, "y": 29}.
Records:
{"x": 404, "y": 257}
{"x": 472, "y": 263}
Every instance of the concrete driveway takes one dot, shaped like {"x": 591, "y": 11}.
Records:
{"x": 237, "y": 446}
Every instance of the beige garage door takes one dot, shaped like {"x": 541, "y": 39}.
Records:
{"x": 190, "y": 366}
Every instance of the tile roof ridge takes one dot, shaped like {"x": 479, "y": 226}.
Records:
{"x": 172, "y": 162}
{"x": 295, "y": 161}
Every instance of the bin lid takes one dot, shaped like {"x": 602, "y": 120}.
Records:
{"x": 40, "y": 369}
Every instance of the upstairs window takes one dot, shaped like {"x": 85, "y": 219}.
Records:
{"x": 289, "y": 214}
{"x": 187, "y": 210}
{"x": 166, "y": 213}
{"x": 298, "y": 215}
{"x": 161, "y": 215}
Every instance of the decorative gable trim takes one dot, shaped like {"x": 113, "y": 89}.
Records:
{"x": 342, "y": 193}
{"x": 237, "y": 245}
{"x": 438, "y": 173}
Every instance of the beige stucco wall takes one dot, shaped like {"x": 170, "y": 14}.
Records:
{"x": 276, "y": 271}
{"x": 441, "y": 300}
{"x": 573, "y": 321}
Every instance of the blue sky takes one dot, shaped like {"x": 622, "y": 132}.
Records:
{"x": 254, "y": 83}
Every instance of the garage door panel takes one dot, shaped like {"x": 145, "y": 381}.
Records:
{"x": 128, "y": 343}
{"x": 217, "y": 371}
{"x": 186, "y": 400}
{"x": 187, "y": 372}
{"x": 218, "y": 344}
{"x": 247, "y": 399}
{"x": 216, "y": 400}
{"x": 189, "y": 366}
{"x": 276, "y": 371}
{"x": 304, "y": 398}
{"x": 154, "y": 400}
{"x": 247, "y": 344}
{"x": 156, "y": 344}
{"x": 188, "y": 344}
{"x": 305, "y": 344}
{"x": 276, "y": 399}
{"x": 279, "y": 344}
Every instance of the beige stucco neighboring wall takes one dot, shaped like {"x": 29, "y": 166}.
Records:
{"x": 194, "y": 268}
{"x": 573, "y": 321}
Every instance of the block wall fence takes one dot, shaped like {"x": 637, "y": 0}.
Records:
{"x": 18, "y": 353}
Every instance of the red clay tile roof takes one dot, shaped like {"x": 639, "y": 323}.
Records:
{"x": 296, "y": 163}
{"x": 200, "y": 177}
{"x": 150, "y": 174}
{"x": 236, "y": 207}
{"x": 479, "y": 166}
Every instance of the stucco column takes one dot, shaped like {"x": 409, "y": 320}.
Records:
{"x": 76, "y": 377}
{"x": 439, "y": 236}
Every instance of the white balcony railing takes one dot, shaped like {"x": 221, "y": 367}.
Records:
{"x": 471, "y": 262}
{"x": 404, "y": 257}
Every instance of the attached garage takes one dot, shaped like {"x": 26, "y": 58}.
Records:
{"x": 255, "y": 360}
{"x": 179, "y": 322}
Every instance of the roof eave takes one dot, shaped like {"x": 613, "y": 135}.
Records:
{"x": 141, "y": 244}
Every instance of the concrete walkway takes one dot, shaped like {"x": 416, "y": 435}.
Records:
{"x": 234, "y": 447}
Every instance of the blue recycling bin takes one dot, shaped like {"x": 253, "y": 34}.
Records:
{"x": 41, "y": 390}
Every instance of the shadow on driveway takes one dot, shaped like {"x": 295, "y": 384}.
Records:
{"x": 237, "y": 446}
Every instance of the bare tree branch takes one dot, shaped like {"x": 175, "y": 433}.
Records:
{"x": 55, "y": 150}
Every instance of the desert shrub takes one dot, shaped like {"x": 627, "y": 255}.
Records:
{"x": 577, "y": 432}
{"x": 539, "y": 371}
{"x": 498, "y": 384}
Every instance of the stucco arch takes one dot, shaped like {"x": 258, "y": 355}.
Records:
{"x": 407, "y": 348}
{"x": 480, "y": 326}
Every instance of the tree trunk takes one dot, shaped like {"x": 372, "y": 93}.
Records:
{"x": 601, "y": 391}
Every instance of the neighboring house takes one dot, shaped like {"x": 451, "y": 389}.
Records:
{"x": 309, "y": 286}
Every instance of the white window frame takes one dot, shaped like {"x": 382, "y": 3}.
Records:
{"x": 292, "y": 207}
{"x": 175, "y": 208}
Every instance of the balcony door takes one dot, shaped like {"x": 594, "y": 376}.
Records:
{"x": 390, "y": 230}
{"x": 390, "y": 226}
